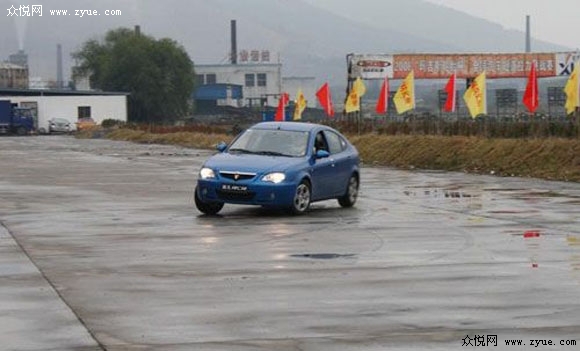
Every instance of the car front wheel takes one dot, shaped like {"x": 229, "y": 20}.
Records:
{"x": 301, "y": 200}
{"x": 349, "y": 198}
{"x": 208, "y": 208}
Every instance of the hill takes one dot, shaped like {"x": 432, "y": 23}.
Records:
{"x": 312, "y": 37}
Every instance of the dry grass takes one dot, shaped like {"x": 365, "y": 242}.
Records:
{"x": 547, "y": 158}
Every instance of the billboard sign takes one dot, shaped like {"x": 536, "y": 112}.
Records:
{"x": 371, "y": 66}
{"x": 441, "y": 66}
{"x": 565, "y": 63}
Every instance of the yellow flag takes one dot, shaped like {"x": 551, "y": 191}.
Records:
{"x": 571, "y": 90}
{"x": 475, "y": 97}
{"x": 404, "y": 98}
{"x": 300, "y": 105}
{"x": 353, "y": 100}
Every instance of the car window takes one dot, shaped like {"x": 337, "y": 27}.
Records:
{"x": 335, "y": 142}
{"x": 320, "y": 142}
{"x": 283, "y": 142}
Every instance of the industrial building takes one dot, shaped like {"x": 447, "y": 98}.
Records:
{"x": 251, "y": 79}
{"x": 71, "y": 105}
{"x": 261, "y": 82}
{"x": 13, "y": 76}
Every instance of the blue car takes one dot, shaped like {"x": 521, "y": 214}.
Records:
{"x": 282, "y": 165}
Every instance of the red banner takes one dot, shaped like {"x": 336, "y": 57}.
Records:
{"x": 441, "y": 66}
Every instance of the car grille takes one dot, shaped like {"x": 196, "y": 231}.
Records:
{"x": 237, "y": 175}
{"x": 235, "y": 195}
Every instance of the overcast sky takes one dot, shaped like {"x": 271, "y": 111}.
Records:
{"x": 556, "y": 21}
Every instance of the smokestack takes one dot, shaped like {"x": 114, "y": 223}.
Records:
{"x": 234, "y": 53}
{"x": 138, "y": 30}
{"x": 528, "y": 35}
{"x": 59, "y": 76}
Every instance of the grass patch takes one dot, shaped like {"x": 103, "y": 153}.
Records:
{"x": 556, "y": 159}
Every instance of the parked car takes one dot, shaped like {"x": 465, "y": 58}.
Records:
{"x": 280, "y": 164}
{"x": 59, "y": 125}
{"x": 85, "y": 123}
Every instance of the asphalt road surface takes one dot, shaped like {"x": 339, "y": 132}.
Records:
{"x": 101, "y": 248}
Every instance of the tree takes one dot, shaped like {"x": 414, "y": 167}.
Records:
{"x": 158, "y": 73}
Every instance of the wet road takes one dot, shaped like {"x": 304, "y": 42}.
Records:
{"x": 101, "y": 248}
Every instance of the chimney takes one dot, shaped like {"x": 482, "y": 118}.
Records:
{"x": 59, "y": 76}
{"x": 528, "y": 35}
{"x": 234, "y": 52}
{"x": 138, "y": 30}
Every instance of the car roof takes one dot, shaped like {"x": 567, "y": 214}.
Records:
{"x": 291, "y": 126}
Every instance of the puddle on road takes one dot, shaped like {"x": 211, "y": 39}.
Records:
{"x": 441, "y": 194}
{"x": 450, "y": 195}
{"x": 525, "y": 211}
{"x": 535, "y": 244}
{"x": 323, "y": 256}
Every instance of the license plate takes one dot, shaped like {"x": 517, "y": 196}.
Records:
{"x": 232, "y": 187}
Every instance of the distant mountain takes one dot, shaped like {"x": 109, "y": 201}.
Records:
{"x": 311, "y": 40}
{"x": 423, "y": 19}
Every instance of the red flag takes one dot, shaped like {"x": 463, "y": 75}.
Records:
{"x": 383, "y": 102}
{"x": 531, "y": 94}
{"x": 451, "y": 102}
{"x": 323, "y": 95}
{"x": 281, "y": 110}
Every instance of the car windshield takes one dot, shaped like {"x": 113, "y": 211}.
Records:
{"x": 271, "y": 142}
{"x": 61, "y": 120}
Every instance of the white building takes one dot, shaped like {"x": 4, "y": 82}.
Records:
{"x": 261, "y": 82}
{"x": 71, "y": 105}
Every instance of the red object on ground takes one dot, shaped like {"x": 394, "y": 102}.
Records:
{"x": 532, "y": 234}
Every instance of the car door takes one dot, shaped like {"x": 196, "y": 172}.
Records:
{"x": 322, "y": 171}
{"x": 340, "y": 161}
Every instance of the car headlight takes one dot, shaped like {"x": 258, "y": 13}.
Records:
{"x": 275, "y": 178}
{"x": 206, "y": 173}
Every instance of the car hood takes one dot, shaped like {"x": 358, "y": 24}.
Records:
{"x": 252, "y": 163}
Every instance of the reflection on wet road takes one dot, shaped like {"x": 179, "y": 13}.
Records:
{"x": 424, "y": 259}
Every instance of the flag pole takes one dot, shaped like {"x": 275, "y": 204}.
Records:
{"x": 348, "y": 85}
{"x": 358, "y": 113}
{"x": 577, "y": 110}
{"x": 328, "y": 100}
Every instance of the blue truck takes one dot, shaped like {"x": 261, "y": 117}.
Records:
{"x": 14, "y": 119}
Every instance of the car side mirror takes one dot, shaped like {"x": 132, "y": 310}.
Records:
{"x": 322, "y": 154}
{"x": 221, "y": 147}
